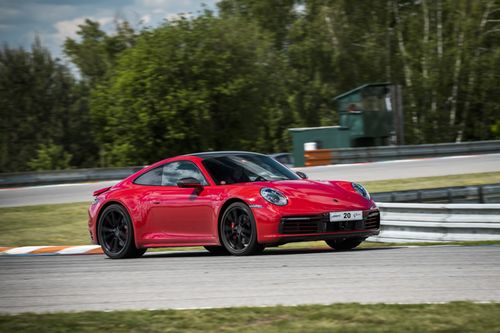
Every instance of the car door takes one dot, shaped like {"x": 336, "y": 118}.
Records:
{"x": 176, "y": 215}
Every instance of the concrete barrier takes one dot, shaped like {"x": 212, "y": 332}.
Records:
{"x": 411, "y": 222}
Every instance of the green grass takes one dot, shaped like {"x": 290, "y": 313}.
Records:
{"x": 66, "y": 224}
{"x": 432, "y": 182}
{"x": 350, "y": 318}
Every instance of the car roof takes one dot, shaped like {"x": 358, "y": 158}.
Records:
{"x": 279, "y": 154}
{"x": 212, "y": 154}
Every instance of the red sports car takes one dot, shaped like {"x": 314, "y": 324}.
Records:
{"x": 228, "y": 202}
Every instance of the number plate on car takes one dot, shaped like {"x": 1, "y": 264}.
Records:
{"x": 346, "y": 216}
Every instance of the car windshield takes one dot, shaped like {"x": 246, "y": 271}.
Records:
{"x": 242, "y": 168}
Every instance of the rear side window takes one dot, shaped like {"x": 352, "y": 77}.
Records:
{"x": 175, "y": 171}
{"x": 152, "y": 177}
{"x": 169, "y": 174}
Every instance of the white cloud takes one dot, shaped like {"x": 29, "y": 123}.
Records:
{"x": 165, "y": 3}
{"x": 68, "y": 28}
{"x": 6, "y": 27}
{"x": 146, "y": 19}
{"x": 158, "y": 11}
{"x": 54, "y": 21}
{"x": 177, "y": 16}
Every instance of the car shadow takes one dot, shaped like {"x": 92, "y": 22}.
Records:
{"x": 267, "y": 252}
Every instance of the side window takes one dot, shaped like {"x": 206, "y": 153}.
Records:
{"x": 282, "y": 159}
{"x": 175, "y": 171}
{"x": 152, "y": 177}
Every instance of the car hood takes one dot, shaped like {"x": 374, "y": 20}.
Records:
{"x": 321, "y": 195}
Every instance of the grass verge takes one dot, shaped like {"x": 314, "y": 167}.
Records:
{"x": 66, "y": 224}
{"x": 450, "y": 317}
{"x": 432, "y": 182}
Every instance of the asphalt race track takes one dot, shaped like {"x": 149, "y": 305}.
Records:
{"x": 354, "y": 172}
{"x": 288, "y": 277}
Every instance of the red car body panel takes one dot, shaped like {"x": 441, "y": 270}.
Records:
{"x": 174, "y": 216}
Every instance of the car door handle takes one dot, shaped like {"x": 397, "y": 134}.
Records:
{"x": 156, "y": 202}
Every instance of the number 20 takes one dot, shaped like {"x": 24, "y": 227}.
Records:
{"x": 347, "y": 215}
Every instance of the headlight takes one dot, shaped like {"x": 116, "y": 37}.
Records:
{"x": 95, "y": 201}
{"x": 361, "y": 190}
{"x": 274, "y": 196}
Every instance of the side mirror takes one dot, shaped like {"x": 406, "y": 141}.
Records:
{"x": 301, "y": 174}
{"x": 189, "y": 182}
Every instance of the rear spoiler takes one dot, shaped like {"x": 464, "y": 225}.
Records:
{"x": 101, "y": 191}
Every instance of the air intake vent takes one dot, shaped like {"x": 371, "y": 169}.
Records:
{"x": 312, "y": 224}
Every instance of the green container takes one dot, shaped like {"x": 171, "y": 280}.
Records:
{"x": 366, "y": 119}
{"x": 325, "y": 137}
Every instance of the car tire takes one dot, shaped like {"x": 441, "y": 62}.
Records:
{"x": 217, "y": 250}
{"x": 116, "y": 234}
{"x": 238, "y": 230}
{"x": 344, "y": 244}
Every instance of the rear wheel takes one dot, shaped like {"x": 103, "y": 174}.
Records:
{"x": 238, "y": 230}
{"x": 344, "y": 244}
{"x": 116, "y": 234}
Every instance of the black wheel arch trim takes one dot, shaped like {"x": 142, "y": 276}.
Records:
{"x": 103, "y": 208}
{"x": 222, "y": 210}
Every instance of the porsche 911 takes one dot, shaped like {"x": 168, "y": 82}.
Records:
{"x": 229, "y": 202}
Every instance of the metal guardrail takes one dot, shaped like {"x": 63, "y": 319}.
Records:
{"x": 64, "y": 176}
{"x": 412, "y": 222}
{"x": 389, "y": 153}
{"x": 457, "y": 194}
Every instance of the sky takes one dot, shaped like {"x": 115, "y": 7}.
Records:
{"x": 55, "y": 20}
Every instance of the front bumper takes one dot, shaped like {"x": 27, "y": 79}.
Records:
{"x": 92, "y": 223}
{"x": 296, "y": 228}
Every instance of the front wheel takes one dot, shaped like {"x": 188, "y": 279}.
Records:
{"x": 116, "y": 234}
{"x": 344, "y": 244}
{"x": 238, "y": 230}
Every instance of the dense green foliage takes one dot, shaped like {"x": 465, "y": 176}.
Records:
{"x": 191, "y": 85}
{"x": 238, "y": 79}
{"x": 43, "y": 112}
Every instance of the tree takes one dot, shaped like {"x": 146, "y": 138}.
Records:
{"x": 96, "y": 52}
{"x": 192, "y": 85}
{"x": 274, "y": 16}
{"x": 443, "y": 52}
{"x": 50, "y": 157}
{"x": 36, "y": 96}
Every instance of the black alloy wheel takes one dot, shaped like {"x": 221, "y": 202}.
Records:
{"x": 344, "y": 244}
{"x": 116, "y": 234}
{"x": 238, "y": 230}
